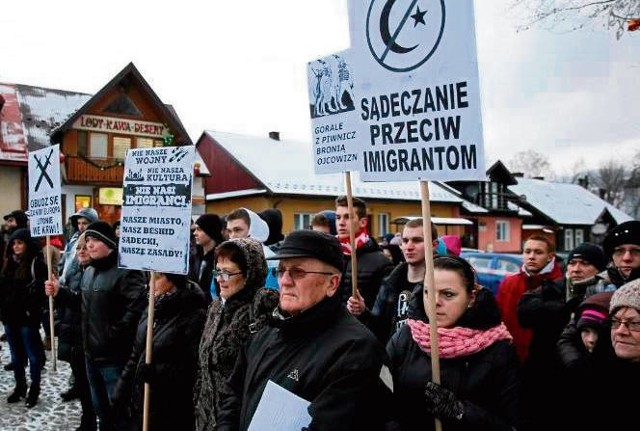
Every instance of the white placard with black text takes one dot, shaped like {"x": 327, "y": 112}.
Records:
{"x": 44, "y": 208}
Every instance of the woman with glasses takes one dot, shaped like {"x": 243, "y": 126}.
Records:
{"x": 479, "y": 386}
{"x": 243, "y": 307}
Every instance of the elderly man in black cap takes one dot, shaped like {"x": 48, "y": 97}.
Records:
{"x": 313, "y": 347}
{"x": 113, "y": 300}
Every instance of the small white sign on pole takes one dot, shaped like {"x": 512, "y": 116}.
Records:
{"x": 334, "y": 117}
{"x": 156, "y": 209}
{"x": 418, "y": 90}
{"x": 44, "y": 209}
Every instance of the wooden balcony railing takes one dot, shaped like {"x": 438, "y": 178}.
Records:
{"x": 94, "y": 171}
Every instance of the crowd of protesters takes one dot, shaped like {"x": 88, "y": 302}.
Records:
{"x": 259, "y": 310}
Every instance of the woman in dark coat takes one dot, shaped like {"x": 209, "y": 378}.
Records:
{"x": 22, "y": 298}
{"x": 243, "y": 307}
{"x": 179, "y": 315}
{"x": 479, "y": 386}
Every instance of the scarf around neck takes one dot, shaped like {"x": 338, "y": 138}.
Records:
{"x": 458, "y": 341}
{"x": 361, "y": 239}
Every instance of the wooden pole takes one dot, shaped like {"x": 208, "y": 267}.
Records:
{"x": 429, "y": 283}
{"x": 352, "y": 237}
{"x": 52, "y": 335}
{"x": 149, "y": 346}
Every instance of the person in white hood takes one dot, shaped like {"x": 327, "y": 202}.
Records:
{"x": 244, "y": 223}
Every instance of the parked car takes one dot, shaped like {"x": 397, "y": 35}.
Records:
{"x": 492, "y": 268}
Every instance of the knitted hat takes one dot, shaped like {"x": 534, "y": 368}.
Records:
{"x": 331, "y": 216}
{"x": 591, "y": 318}
{"x": 102, "y": 231}
{"x": 628, "y": 295}
{"x": 625, "y": 233}
{"x": 212, "y": 226}
{"x": 590, "y": 253}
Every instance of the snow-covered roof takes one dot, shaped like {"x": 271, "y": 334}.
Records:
{"x": 286, "y": 166}
{"x": 564, "y": 203}
{"x": 29, "y": 114}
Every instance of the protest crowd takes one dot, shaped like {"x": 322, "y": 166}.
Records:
{"x": 264, "y": 318}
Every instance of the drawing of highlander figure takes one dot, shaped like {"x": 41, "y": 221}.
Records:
{"x": 332, "y": 79}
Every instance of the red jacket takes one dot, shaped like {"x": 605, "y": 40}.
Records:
{"x": 509, "y": 294}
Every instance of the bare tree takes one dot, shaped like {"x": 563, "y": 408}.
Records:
{"x": 611, "y": 178}
{"x": 531, "y": 163}
{"x": 632, "y": 190}
{"x": 569, "y": 15}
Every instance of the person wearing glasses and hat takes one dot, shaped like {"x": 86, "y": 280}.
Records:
{"x": 242, "y": 307}
{"x": 312, "y": 347}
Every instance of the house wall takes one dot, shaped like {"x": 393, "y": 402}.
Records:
{"x": 13, "y": 187}
{"x": 487, "y": 232}
{"x": 291, "y": 205}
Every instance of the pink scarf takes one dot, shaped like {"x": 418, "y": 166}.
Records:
{"x": 458, "y": 341}
{"x": 361, "y": 239}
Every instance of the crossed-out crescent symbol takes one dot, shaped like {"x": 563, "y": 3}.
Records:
{"x": 386, "y": 34}
{"x": 393, "y": 43}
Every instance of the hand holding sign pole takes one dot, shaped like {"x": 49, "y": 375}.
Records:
{"x": 419, "y": 100}
{"x": 45, "y": 212}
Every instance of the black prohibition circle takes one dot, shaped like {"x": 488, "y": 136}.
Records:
{"x": 421, "y": 62}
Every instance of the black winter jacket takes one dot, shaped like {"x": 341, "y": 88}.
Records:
{"x": 373, "y": 267}
{"x": 178, "y": 322}
{"x": 323, "y": 355}
{"x": 486, "y": 382}
{"x": 112, "y": 302}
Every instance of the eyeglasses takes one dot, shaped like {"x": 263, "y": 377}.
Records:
{"x": 225, "y": 276}
{"x": 631, "y": 326}
{"x": 621, "y": 251}
{"x": 295, "y": 273}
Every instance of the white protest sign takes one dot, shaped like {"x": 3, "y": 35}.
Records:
{"x": 418, "y": 89}
{"x": 334, "y": 118}
{"x": 156, "y": 209}
{"x": 45, "y": 211}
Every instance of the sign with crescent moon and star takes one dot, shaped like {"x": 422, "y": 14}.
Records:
{"x": 418, "y": 90}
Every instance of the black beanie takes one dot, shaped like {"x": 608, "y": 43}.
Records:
{"x": 625, "y": 233}
{"x": 20, "y": 217}
{"x": 273, "y": 218}
{"x": 590, "y": 253}
{"x": 212, "y": 226}
{"x": 102, "y": 231}
{"x": 24, "y": 235}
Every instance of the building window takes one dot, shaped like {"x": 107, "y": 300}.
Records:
{"x": 98, "y": 145}
{"x": 502, "y": 230}
{"x": 383, "y": 224}
{"x": 579, "y": 237}
{"x": 568, "y": 239}
{"x": 302, "y": 221}
{"x": 83, "y": 143}
{"x": 148, "y": 143}
{"x": 120, "y": 147}
{"x": 82, "y": 201}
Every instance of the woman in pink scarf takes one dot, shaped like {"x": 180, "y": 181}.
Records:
{"x": 478, "y": 366}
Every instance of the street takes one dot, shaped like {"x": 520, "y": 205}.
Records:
{"x": 51, "y": 413}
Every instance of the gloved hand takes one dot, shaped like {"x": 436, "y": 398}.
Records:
{"x": 147, "y": 372}
{"x": 442, "y": 403}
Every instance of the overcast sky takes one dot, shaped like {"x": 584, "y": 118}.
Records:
{"x": 240, "y": 67}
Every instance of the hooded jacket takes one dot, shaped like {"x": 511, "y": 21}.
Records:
{"x": 67, "y": 265}
{"x": 227, "y": 329}
{"x": 259, "y": 230}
